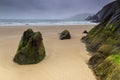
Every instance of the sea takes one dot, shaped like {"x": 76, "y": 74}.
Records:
{"x": 37, "y": 22}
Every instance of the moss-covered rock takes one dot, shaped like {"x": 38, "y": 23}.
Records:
{"x": 109, "y": 69}
{"x": 104, "y": 42}
{"x": 65, "y": 35}
{"x": 31, "y": 49}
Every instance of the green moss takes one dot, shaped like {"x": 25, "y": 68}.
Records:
{"x": 105, "y": 48}
{"x": 116, "y": 58}
{"x": 104, "y": 41}
{"x": 25, "y": 38}
{"x": 109, "y": 69}
{"x": 107, "y": 66}
{"x": 31, "y": 49}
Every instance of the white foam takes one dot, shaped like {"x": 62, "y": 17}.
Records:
{"x": 43, "y": 22}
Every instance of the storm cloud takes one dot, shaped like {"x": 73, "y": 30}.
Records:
{"x": 43, "y": 9}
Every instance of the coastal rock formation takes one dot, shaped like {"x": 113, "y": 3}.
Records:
{"x": 65, "y": 35}
{"x": 85, "y": 32}
{"x": 31, "y": 49}
{"x": 106, "y": 11}
{"x": 104, "y": 43}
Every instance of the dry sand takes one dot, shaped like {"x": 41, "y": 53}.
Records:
{"x": 65, "y": 60}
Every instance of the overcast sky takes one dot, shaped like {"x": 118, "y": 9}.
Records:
{"x": 44, "y": 9}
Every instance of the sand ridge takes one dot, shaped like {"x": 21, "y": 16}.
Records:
{"x": 65, "y": 60}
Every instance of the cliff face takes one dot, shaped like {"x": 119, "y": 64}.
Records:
{"x": 104, "y": 43}
{"x": 106, "y": 11}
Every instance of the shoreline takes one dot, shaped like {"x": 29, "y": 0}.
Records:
{"x": 65, "y": 59}
{"x": 46, "y": 25}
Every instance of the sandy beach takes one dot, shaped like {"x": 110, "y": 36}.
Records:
{"x": 65, "y": 59}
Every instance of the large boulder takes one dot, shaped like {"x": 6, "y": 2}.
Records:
{"x": 31, "y": 49}
{"x": 65, "y": 35}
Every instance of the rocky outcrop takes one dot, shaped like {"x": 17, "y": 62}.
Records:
{"x": 85, "y": 32}
{"x": 31, "y": 49}
{"x": 65, "y": 35}
{"x": 104, "y": 43}
{"x": 105, "y": 12}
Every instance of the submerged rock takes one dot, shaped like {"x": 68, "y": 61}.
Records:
{"x": 31, "y": 49}
{"x": 65, "y": 35}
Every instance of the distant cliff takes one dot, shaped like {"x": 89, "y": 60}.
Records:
{"x": 104, "y": 43}
{"x": 106, "y": 11}
{"x": 80, "y": 16}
